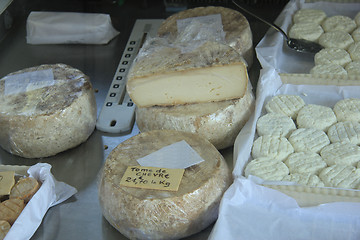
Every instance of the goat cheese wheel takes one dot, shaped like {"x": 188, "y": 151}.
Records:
{"x": 336, "y": 39}
{"x": 306, "y": 30}
{"x": 316, "y": 116}
{"x": 308, "y": 140}
{"x": 267, "y": 168}
{"x": 341, "y": 176}
{"x": 354, "y": 51}
{"x": 235, "y": 26}
{"x": 275, "y": 124}
{"x": 219, "y": 122}
{"x": 45, "y": 110}
{"x": 338, "y": 23}
{"x": 348, "y": 109}
{"x": 357, "y": 18}
{"x": 353, "y": 68}
{"x": 344, "y": 153}
{"x": 309, "y": 15}
{"x": 305, "y": 162}
{"x": 356, "y": 34}
{"x": 274, "y": 147}
{"x": 288, "y": 105}
{"x": 329, "y": 69}
{"x": 157, "y": 214}
{"x": 332, "y": 55}
{"x": 345, "y": 132}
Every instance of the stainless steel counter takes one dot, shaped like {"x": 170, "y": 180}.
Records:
{"x": 80, "y": 216}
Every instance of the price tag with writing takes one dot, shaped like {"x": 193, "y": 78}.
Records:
{"x": 152, "y": 178}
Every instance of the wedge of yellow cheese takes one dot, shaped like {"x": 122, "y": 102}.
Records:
{"x": 167, "y": 76}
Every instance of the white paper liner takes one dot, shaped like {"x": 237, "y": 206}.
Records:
{"x": 251, "y": 211}
{"x": 50, "y": 194}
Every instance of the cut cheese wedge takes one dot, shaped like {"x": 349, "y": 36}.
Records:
{"x": 207, "y": 84}
{"x": 166, "y": 76}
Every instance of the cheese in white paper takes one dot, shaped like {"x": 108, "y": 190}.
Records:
{"x": 177, "y": 155}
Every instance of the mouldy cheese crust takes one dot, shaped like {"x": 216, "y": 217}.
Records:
{"x": 166, "y": 76}
{"x": 236, "y": 27}
{"x": 154, "y": 214}
{"x": 219, "y": 122}
{"x": 49, "y": 120}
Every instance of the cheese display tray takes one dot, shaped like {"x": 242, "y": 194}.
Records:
{"x": 281, "y": 210}
{"x": 270, "y": 84}
{"x": 294, "y": 67}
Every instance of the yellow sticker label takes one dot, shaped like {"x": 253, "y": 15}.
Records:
{"x": 152, "y": 178}
{"x": 7, "y": 181}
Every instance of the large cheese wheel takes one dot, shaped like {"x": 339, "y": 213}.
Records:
{"x": 46, "y": 116}
{"x": 219, "y": 122}
{"x": 236, "y": 27}
{"x": 155, "y": 214}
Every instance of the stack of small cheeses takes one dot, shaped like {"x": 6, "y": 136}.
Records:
{"x": 309, "y": 144}
{"x": 195, "y": 79}
{"x": 339, "y": 35}
{"x": 15, "y": 194}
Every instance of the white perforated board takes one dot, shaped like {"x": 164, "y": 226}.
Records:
{"x": 118, "y": 112}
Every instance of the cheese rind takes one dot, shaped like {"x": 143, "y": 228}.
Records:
{"x": 153, "y": 214}
{"x": 165, "y": 76}
{"x": 43, "y": 122}
{"x": 219, "y": 122}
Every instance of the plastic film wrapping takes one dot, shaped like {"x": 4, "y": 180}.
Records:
{"x": 237, "y": 30}
{"x": 156, "y": 214}
{"x": 48, "y": 116}
{"x": 160, "y": 56}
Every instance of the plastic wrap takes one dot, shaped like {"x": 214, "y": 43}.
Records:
{"x": 235, "y": 26}
{"x": 69, "y": 28}
{"x": 158, "y": 214}
{"x": 45, "y": 110}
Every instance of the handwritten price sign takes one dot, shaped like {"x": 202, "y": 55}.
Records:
{"x": 152, "y": 178}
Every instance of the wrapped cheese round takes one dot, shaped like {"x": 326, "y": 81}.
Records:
{"x": 157, "y": 214}
{"x": 219, "y": 122}
{"x": 45, "y": 110}
{"x": 236, "y": 27}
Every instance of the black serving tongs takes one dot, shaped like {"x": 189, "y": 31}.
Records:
{"x": 299, "y": 45}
